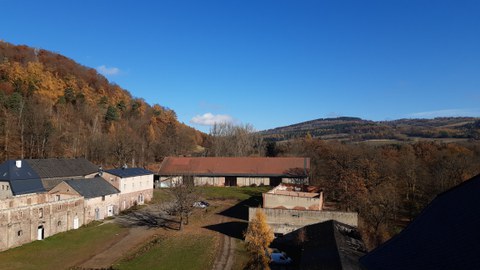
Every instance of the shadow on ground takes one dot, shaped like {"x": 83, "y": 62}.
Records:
{"x": 240, "y": 210}
{"x": 148, "y": 219}
{"x": 233, "y": 229}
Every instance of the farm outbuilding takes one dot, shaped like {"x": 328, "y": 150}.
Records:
{"x": 233, "y": 171}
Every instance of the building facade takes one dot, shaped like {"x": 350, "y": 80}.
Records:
{"x": 39, "y": 198}
{"x": 135, "y": 185}
{"x": 30, "y": 217}
{"x": 233, "y": 171}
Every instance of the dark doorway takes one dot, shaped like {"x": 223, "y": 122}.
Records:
{"x": 188, "y": 180}
{"x": 275, "y": 181}
{"x": 231, "y": 181}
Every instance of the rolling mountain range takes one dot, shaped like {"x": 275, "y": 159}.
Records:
{"x": 357, "y": 129}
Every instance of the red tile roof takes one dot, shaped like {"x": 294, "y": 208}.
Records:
{"x": 234, "y": 166}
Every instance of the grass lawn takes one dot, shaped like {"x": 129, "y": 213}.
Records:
{"x": 215, "y": 193}
{"x": 62, "y": 250}
{"x": 183, "y": 251}
{"x": 237, "y": 193}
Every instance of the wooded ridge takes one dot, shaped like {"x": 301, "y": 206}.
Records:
{"x": 357, "y": 129}
{"x": 51, "y": 106}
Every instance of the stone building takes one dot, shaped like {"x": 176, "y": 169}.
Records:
{"x": 39, "y": 198}
{"x": 100, "y": 198}
{"x": 233, "y": 171}
{"x": 135, "y": 185}
{"x": 29, "y": 217}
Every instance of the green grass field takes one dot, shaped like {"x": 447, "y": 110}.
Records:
{"x": 62, "y": 250}
{"x": 237, "y": 193}
{"x": 185, "y": 251}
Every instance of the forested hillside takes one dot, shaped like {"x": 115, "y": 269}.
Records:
{"x": 388, "y": 185}
{"x": 51, "y": 106}
{"x": 356, "y": 129}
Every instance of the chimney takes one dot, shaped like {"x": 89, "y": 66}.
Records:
{"x": 18, "y": 163}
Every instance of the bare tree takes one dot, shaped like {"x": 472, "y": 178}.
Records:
{"x": 184, "y": 196}
{"x": 234, "y": 141}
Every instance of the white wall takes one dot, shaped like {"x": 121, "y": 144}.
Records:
{"x": 5, "y": 190}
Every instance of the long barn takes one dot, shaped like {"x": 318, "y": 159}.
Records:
{"x": 233, "y": 171}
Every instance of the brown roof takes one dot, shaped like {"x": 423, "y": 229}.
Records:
{"x": 235, "y": 166}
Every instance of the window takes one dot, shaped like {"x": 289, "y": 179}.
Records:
{"x": 8, "y": 187}
{"x": 3, "y": 187}
{"x": 40, "y": 213}
{"x": 103, "y": 198}
{"x": 59, "y": 223}
{"x": 20, "y": 233}
{"x": 57, "y": 198}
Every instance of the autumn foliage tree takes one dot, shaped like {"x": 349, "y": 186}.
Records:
{"x": 388, "y": 185}
{"x": 51, "y": 106}
{"x": 257, "y": 240}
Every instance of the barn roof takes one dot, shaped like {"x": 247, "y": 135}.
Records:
{"x": 129, "y": 172}
{"x": 92, "y": 187}
{"x": 444, "y": 236}
{"x": 22, "y": 180}
{"x": 236, "y": 166}
{"x": 62, "y": 168}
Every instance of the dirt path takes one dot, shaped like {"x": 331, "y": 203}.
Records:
{"x": 136, "y": 236}
{"x": 139, "y": 235}
{"x": 224, "y": 259}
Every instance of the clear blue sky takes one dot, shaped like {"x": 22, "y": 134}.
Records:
{"x": 270, "y": 63}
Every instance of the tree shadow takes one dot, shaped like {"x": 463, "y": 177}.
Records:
{"x": 233, "y": 229}
{"x": 240, "y": 210}
{"x": 148, "y": 219}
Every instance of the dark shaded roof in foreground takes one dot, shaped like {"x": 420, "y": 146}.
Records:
{"x": 444, "y": 236}
{"x": 235, "y": 166}
{"x": 62, "y": 168}
{"x": 332, "y": 245}
{"x": 22, "y": 180}
{"x": 92, "y": 187}
{"x": 129, "y": 172}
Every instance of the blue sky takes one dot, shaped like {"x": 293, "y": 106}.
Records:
{"x": 270, "y": 63}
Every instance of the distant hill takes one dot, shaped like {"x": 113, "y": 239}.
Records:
{"x": 51, "y": 106}
{"x": 357, "y": 129}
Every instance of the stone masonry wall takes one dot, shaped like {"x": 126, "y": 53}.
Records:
{"x": 285, "y": 220}
{"x": 21, "y": 224}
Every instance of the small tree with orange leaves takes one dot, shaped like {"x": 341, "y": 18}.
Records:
{"x": 257, "y": 239}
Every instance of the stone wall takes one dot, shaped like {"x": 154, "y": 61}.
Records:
{"x": 271, "y": 200}
{"x": 285, "y": 220}
{"x": 98, "y": 208}
{"x": 23, "y": 223}
{"x": 128, "y": 200}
